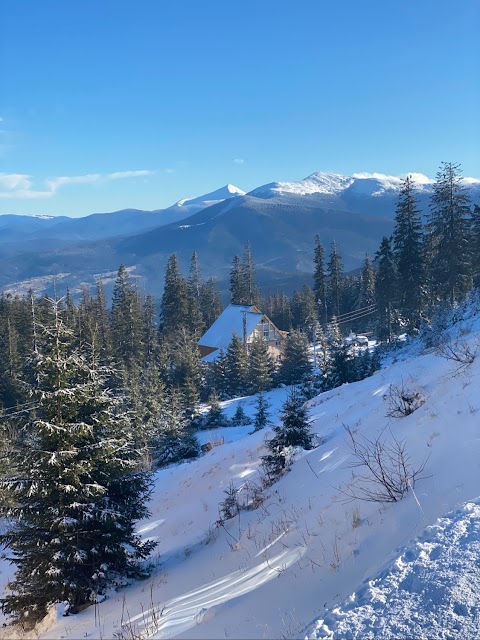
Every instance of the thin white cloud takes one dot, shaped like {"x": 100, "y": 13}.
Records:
{"x": 17, "y": 185}
{"x": 9, "y": 181}
{"x": 419, "y": 178}
{"x": 364, "y": 175}
{"x": 238, "y": 160}
{"x": 128, "y": 174}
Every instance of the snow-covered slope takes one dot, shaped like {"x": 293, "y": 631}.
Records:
{"x": 282, "y": 569}
{"x": 17, "y": 228}
{"x": 228, "y": 191}
{"x": 361, "y": 184}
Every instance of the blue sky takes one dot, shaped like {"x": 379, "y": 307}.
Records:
{"x": 107, "y": 104}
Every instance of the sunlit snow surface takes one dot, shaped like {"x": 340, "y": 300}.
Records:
{"x": 432, "y": 589}
{"x": 281, "y": 570}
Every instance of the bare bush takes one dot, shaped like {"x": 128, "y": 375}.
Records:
{"x": 402, "y": 401}
{"x": 459, "y": 352}
{"x": 389, "y": 472}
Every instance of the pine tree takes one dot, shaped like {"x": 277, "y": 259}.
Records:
{"x": 10, "y": 368}
{"x": 335, "y": 281}
{"x": 127, "y": 321}
{"x": 385, "y": 287}
{"x": 261, "y": 412}
{"x": 294, "y": 431}
{"x": 216, "y": 375}
{"x": 240, "y": 418}
{"x": 448, "y": 228}
{"x": 367, "y": 284}
{"x": 237, "y": 293}
{"x": 215, "y": 416}
{"x": 236, "y": 364}
{"x": 295, "y": 366}
{"x": 320, "y": 281}
{"x": 343, "y": 367}
{"x": 249, "y": 280}
{"x": 210, "y": 302}
{"x": 173, "y": 440}
{"x": 174, "y": 304}
{"x": 243, "y": 283}
{"x": 408, "y": 252}
{"x": 475, "y": 244}
{"x": 150, "y": 330}
{"x": 77, "y": 485}
{"x": 194, "y": 291}
{"x": 186, "y": 372}
{"x": 260, "y": 366}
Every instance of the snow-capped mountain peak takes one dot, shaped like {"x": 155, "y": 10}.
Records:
{"x": 228, "y": 191}
{"x": 362, "y": 184}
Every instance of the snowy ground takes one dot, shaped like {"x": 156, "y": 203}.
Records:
{"x": 281, "y": 570}
{"x": 432, "y": 587}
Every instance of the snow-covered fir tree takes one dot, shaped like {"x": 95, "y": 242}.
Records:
{"x": 448, "y": 231}
{"x": 294, "y": 431}
{"x": 295, "y": 366}
{"x": 260, "y": 420}
{"x": 408, "y": 252}
{"x": 76, "y": 482}
{"x": 260, "y": 366}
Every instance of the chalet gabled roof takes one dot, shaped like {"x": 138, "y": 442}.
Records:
{"x": 229, "y": 322}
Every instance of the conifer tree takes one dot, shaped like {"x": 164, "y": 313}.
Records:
{"x": 335, "y": 281}
{"x": 294, "y": 431}
{"x": 385, "y": 287}
{"x": 174, "y": 304}
{"x": 367, "y": 284}
{"x": 261, "y": 412}
{"x": 217, "y": 377}
{"x": 236, "y": 364}
{"x": 448, "y": 228}
{"x": 127, "y": 320}
{"x": 186, "y": 371}
{"x": 320, "y": 281}
{"x": 10, "y": 369}
{"x": 295, "y": 366}
{"x": 215, "y": 416}
{"x": 475, "y": 244}
{"x": 174, "y": 441}
{"x": 251, "y": 294}
{"x": 408, "y": 252}
{"x": 309, "y": 315}
{"x": 150, "y": 330}
{"x": 260, "y": 366}
{"x": 210, "y": 302}
{"x": 240, "y": 418}
{"x": 237, "y": 293}
{"x": 77, "y": 484}
{"x": 194, "y": 291}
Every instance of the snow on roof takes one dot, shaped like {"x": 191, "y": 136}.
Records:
{"x": 231, "y": 321}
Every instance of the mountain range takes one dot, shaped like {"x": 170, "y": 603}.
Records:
{"x": 279, "y": 219}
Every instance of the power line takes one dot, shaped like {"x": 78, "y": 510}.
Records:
{"x": 355, "y": 316}
{"x": 343, "y": 316}
{"x": 363, "y": 315}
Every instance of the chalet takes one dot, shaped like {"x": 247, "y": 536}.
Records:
{"x": 247, "y": 321}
